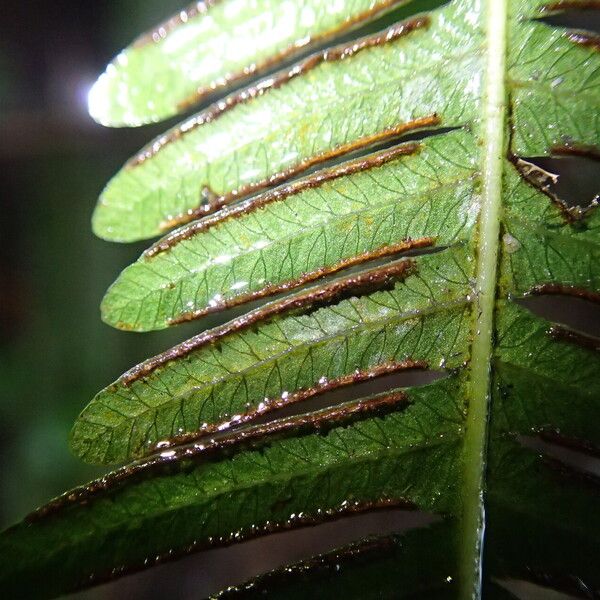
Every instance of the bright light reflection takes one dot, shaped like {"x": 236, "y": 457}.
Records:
{"x": 98, "y": 99}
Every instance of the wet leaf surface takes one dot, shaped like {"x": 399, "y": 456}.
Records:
{"x": 353, "y": 263}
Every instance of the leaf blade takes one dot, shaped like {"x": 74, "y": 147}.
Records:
{"x": 212, "y": 45}
{"x": 254, "y": 368}
{"x": 411, "y": 201}
{"x": 168, "y": 512}
{"x": 170, "y": 180}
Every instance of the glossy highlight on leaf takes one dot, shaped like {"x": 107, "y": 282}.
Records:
{"x": 212, "y": 386}
{"x": 232, "y": 498}
{"x": 288, "y": 238}
{"x": 384, "y": 75}
{"x": 385, "y": 352}
{"x": 362, "y": 570}
{"x": 211, "y": 45}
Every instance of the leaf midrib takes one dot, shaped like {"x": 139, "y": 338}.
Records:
{"x": 493, "y": 136}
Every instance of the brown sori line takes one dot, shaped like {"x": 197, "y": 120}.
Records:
{"x": 305, "y": 300}
{"x": 322, "y": 420}
{"x": 584, "y": 39}
{"x": 256, "y": 68}
{"x": 570, "y": 443}
{"x": 565, "y": 290}
{"x": 314, "y": 181}
{"x": 577, "y": 150}
{"x": 572, "y": 337}
{"x": 287, "y": 399}
{"x": 273, "y": 289}
{"x": 213, "y": 202}
{"x": 332, "y": 54}
{"x": 570, "y": 5}
{"x": 166, "y": 27}
{"x": 346, "y": 509}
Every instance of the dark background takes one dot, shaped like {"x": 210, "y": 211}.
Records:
{"x": 55, "y": 353}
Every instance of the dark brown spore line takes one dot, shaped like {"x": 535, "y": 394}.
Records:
{"x": 303, "y": 301}
{"x": 559, "y": 332}
{"x": 306, "y": 278}
{"x": 563, "y": 5}
{"x": 560, "y": 289}
{"x": 559, "y": 439}
{"x": 211, "y": 447}
{"x": 255, "y": 69}
{"x": 321, "y": 387}
{"x": 256, "y": 203}
{"x": 212, "y": 202}
{"x": 569, "y": 336}
{"x": 345, "y": 509}
{"x": 277, "y": 80}
{"x": 586, "y": 151}
{"x": 535, "y": 174}
{"x": 589, "y": 40}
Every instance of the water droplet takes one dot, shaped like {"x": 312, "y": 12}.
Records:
{"x": 215, "y": 300}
